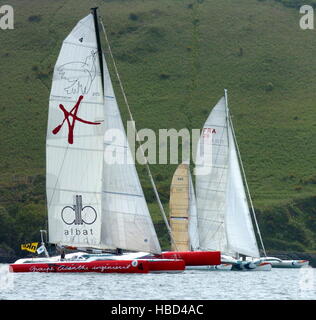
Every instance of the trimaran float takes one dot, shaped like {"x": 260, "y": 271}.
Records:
{"x": 93, "y": 203}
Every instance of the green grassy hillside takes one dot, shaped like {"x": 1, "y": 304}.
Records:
{"x": 175, "y": 58}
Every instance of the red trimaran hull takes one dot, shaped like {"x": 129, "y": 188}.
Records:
{"x": 166, "y": 262}
{"x": 194, "y": 258}
{"x": 103, "y": 266}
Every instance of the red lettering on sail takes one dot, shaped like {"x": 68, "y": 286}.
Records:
{"x": 207, "y": 131}
{"x": 71, "y": 125}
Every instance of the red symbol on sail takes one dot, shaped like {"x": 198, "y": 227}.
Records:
{"x": 208, "y": 131}
{"x": 72, "y": 113}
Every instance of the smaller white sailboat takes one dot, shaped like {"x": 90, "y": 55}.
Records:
{"x": 224, "y": 219}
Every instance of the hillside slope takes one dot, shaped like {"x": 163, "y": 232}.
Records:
{"x": 175, "y": 59}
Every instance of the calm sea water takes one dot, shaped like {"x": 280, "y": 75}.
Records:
{"x": 277, "y": 284}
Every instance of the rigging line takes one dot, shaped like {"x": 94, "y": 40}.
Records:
{"x": 162, "y": 211}
{"x": 245, "y": 180}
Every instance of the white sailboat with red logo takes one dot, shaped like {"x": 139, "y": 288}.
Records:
{"x": 224, "y": 219}
{"x": 94, "y": 197}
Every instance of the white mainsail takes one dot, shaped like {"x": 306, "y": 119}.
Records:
{"x": 91, "y": 203}
{"x": 224, "y": 220}
{"x": 211, "y": 180}
{"x": 74, "y": 150}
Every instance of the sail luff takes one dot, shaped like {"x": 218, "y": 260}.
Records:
{"x": 97, "y": 33}
{"x": 211, "y": 180}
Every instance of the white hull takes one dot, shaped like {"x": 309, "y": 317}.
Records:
{"x": 252, "y": 266}
{"x": 220, "y": 267}
{"x": 278, "y": 263}
{"x": 292, "y": 264}
{"x": 83, "y": 256}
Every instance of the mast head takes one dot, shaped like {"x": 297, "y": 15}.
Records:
{"x": 94, "y": 11}
{"x": 226, "y": 98}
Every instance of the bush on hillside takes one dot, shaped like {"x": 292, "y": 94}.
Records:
{"x": 34, "y": 18}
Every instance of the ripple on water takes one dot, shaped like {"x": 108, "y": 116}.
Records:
{"x": 205, "y": 285}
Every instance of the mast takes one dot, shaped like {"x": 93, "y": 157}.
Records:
{"x": 43, "y": 242}
{"x": 227, "y": 119}
{"x": 228, "y": 143}
{"x": 97, "y": 33}
{"x": 244, "y": 174}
